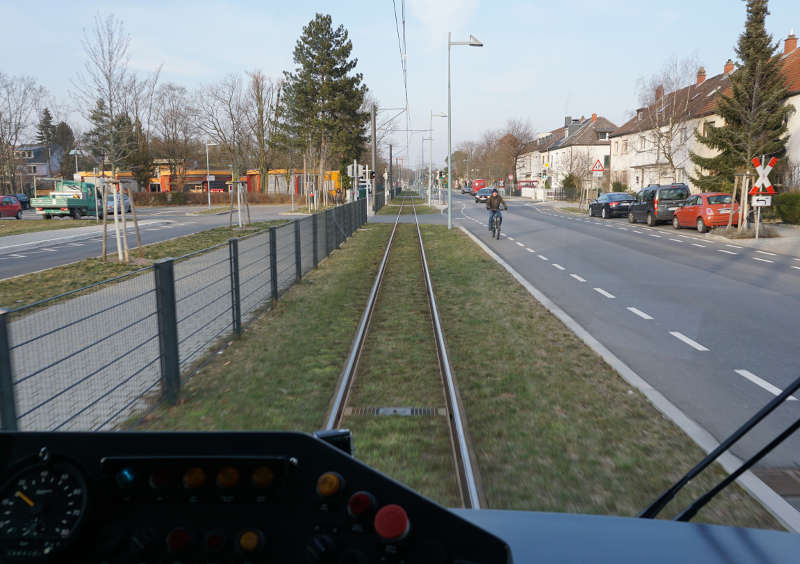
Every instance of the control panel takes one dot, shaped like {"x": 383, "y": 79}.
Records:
{"x": 216, "y": 498}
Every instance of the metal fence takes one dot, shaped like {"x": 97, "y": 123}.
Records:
{"x": 92, "y": 358}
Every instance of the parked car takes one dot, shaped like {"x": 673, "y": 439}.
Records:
{"x": 466, "y": 188}
{"x": 482, "y": 195}
{"x": 611, "y": 204}
{"x": 24, "y": 201}
{"x": 657, "y": 202}
{"x": 10, "y": 207}
{"x": 703, "y": 211}
{"x": 124, "y": 203}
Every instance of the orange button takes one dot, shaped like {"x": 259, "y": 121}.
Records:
{"x": 262, "y": 477}
{"x": 330, "y": 483}
{"x": 227, "y": 477}
{"x": 250, "y": 541}
{"x": 391, "y": 523}
{"x": 194, "y": 478}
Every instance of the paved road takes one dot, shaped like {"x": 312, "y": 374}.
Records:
{"x": 710, "y": 324}
{"x": 30, "y": 252}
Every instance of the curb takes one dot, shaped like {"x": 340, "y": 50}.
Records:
{"x": 787, "y": 515}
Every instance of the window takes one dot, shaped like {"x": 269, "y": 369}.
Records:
{"x": 625, "y": 146}
{"x": 708, "y": 126}
{"x": 603, "y": 136}
{"x": 684, "y": 135}
{"x": 33, "y": 169}
{"x": 616, "y": 147}
{"x": 642, "y": 143}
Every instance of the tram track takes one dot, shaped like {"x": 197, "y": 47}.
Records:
{"x": 464, "y": 468}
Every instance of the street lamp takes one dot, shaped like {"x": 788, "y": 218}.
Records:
{"x": 208, "y": 173}
{"x": 75, "y": 152}
{"x": 430, "y": 162}
{"x": 473, "y": 42}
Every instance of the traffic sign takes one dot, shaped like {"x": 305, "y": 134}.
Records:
{"x": 760, "y": 201}
{"x": 511, "y": 177}
{"x": 598, "y": 167}
{"x": 763, "y": 176}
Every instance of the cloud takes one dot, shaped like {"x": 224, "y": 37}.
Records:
{"x": 441, "y": 16}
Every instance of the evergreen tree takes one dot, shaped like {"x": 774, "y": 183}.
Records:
{"x": 140, "y": 160}
{"x": 64, "y": 138}
{"x": 754, "y": 111}
{"x": 323, "y": 96}
{"x": 45, "y": 130}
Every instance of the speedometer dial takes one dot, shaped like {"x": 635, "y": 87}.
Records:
{"x": 40, "y": 510}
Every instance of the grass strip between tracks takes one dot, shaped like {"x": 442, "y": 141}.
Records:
{"x": 392, "y": 209}
{"x": 28, "y": 288}
{"x": 555, "y": 428}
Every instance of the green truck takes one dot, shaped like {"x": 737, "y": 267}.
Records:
{"x": 70, "y": 198}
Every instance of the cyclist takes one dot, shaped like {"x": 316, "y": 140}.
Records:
{"x": 493, "y": 204}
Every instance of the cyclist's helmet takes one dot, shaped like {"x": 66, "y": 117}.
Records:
{"x": 494, "y": 190}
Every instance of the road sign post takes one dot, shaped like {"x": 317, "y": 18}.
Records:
{"x": 761, "y": 185}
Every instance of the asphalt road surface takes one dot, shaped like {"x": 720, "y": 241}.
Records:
{"x": 31, "y": 252}
{"x": 711, "y": 325}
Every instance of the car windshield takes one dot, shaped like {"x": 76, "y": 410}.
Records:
{"x": 300, "y": 202}
{"x": 721, "y": 199}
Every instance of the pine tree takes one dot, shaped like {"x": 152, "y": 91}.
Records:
{"x": 64, "y": 139}
{"x": 754, "y": 111}
{"x": 45, "y": 130}
{"x": 321, "y": 106}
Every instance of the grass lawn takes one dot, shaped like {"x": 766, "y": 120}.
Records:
{"x": 554, "y": 427}
{"x": 21, "y": 290}
{"x": 574, "y": 209}
{"x": 394, "y": 207}
{"x": 15, "y": 227}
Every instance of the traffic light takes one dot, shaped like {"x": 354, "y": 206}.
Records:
{"x": 372, "y": 174}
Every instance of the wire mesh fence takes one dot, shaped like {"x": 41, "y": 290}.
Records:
{"x": 92, "y": 358}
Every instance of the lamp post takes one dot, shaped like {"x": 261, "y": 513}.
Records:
{"x": 75, "y": 152}
{"x": 473, "y": 42}
{"x": 208, "y": 173}
{"x": 430, "y": 162}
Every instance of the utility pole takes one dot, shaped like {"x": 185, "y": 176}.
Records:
{"x": 374, "y": 146}
{"x": 390, "y": 167}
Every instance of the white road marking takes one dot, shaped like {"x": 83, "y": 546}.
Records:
{"x": 510, "y": 238}
{"x": 652, "y": 235}
{"x": 48, "y": 249}
{"x": 543, "y": 257}
{"x": 684, "y": 236}
{"x": 622, "y": 228}
{"x": 530, "y": 250}
{"x": 766, "y": 253}
{"x": 727, "y": 252}
{"x": 762, "y": 260}
{"x": 604, "y": 293}
{"x": 639, "y": 312}
{"x": 676, "y": 240}
{"x": 558, "y": 266}
{"x": 578, "y": 278}
{"x": 17, "y": 256}
{"x": 762, "y": 383}
{"x": 796, "y": 267}
{"x": 698, "y": 245}
{"x": 520, "y": 244}
{"x": 688, "y": 341}
{"x": 75, "y": 244}
{"x": 733, "y": 246}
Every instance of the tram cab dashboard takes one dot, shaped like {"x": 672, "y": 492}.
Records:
{"x": 228, "y": 497}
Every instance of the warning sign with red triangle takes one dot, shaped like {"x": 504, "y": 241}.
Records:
{"x": 598, "y": 167}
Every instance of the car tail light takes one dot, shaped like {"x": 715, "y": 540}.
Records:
{"x": 39, "y": 209}
{"x": 64, "y": 209}
{"x": 655, "y": 205}
{"x": 613, "y": 204}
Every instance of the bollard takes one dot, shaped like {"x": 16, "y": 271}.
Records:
{"x": 236, "y": 302}
{"x": 8, "y": 401}
{"x": 315, "y": 231}
{"x": 298, "y": 266}
{"x": 167, "y": 329}
{"x": 273, "y": 262}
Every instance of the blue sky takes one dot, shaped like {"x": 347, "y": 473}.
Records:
{"x": 541, "y": 60}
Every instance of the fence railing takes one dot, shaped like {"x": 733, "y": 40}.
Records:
{"x": 92, "y": 358}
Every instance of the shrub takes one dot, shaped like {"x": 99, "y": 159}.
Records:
{"x": 618, "y": 186}
{"x": 571, "y": 187}
{"x": 201, "y": 198}
{"x": 787, "y": 205}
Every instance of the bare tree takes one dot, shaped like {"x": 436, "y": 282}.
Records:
{"x": 665, "y": 100}
{"x": 174, "y": 129}
{"x": 263, "y": 97}
{"x": 518, "y": 136}
{"x": 20, "y": 98}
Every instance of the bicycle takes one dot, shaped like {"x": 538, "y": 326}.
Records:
{"x": 496, "y": 222}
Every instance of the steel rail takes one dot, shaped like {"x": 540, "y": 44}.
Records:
{"x": 461, "y": 451}
{"x": 349, "y": 371}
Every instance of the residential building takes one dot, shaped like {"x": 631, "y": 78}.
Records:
{"x": 653, "y": 147}
{"x": 35, "y": 163}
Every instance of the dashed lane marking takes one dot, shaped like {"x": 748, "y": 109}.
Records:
{"x": 530, "y": 250}
{"x": 604, "y": 293}
{"x": 653, "y": 235}
{"x": 676, "y": 240}
{"x": 17, "y": 256}
{"x": 510, "y": 238}
{"x": 796, "y": 267}
{"x": 698, "y": 245}
{"x": 639, "y": 312}
{"x": 733, "y": 246}
{"x": 762, "y": 383}
{"x": 543, "y": 257}
{"x": 578, "y": 278}
{"x": 727, "y": 252}
{"x": 694, "y": 344}
{"x": 766, "y": 253}
{"x": 762, "y": 260}
{"x": 520, "y": 244}
{"x": 558, "y": 266}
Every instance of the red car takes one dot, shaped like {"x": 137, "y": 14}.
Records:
{"x": 10, "y": 207}
{"x": 704, "y": 211}
{"x": 477, "y": 185}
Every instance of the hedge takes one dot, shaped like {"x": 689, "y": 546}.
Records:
{"x": 788, "y": 206}
{"x": 201, "y": 198}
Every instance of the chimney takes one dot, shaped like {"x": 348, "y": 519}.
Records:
{"x": 660, "y": 92}
{"x": 701, "y": 76}
{"x": 728, "y": 67}
{"x": 594, "y": 118}
{"x": 790, "y": 44}
{"x": 567, "y": 121}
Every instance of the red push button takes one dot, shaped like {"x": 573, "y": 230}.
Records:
{"x": 360, "y": 504}
{"x": 391, "y": 523}
{"x": 178, "y": 540}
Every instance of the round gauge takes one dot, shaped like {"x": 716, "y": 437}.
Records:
{"x": 41, "y": 508}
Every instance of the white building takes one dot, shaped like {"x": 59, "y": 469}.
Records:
{"x": 572, "y": 149}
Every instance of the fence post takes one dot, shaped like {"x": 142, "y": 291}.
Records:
{"x": 315, "y": 231}
{"x": 8, "y": 403}
{"x": 328, "y": 238}
{"x": 298, "y": 266}
{"x": 273, "y": 262}
{"x": 236, "y": 302}
{"x": 167, "y": 329}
